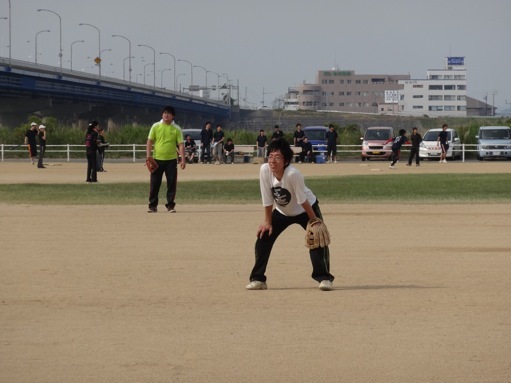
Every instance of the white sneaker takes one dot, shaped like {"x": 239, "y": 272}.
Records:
{"x": 392, "y": 167}
{"x": 444, "y": 161}
{"x": 325, "y": 285}
{"x": 256, "y": 285}
{"x": 335, "y": 162}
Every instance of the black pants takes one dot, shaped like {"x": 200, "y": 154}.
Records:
{"x": 320, "y": 257}
{"x": 42, "y": 149}
{"x": 92, "y": 175}
{"x": 395, "y": 157}
{"x": 205, "y": 155}
{"x": 169, "y": 168}
{"x": 414, "y": 152}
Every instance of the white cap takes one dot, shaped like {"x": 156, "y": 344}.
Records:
{"x": 33, "y": 124}
{"x": 42, "y": 127}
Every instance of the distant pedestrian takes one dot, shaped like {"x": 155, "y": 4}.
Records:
{"x": 101, "y": 149}
{"x": 261, "y": 143}
{"x": 396, "y": 147}
{"x": 229, "y": 151}
{"x": 206, "y": 137}
{"x": 416, "y": 140}
{"x": 331, "y": 144}
{"x": 443, "y": 140}
{"x": 42, "y": 145}
{"x": 218, "y": 145}
{"x": 30, "y": 141}
{"x": 91, "y": 147}
{"x": 298, "y": 135}
{"x": 277, "y": 133}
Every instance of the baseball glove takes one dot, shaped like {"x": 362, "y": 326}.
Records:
{"x": 151, "y": 164}
{"x": 316, "y": 234}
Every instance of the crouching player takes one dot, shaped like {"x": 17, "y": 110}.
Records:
{"x": 283, "y": 185}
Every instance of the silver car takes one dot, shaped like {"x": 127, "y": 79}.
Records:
{"x": 431, "y": 149}
{"x": 493, "y": 142}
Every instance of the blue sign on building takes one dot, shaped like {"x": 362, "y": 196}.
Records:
{"x": 455, "y": 60}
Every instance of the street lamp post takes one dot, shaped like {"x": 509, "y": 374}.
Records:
{"x": 124, "y": 67}
{"x": 154, "y": 63}
{"x": 60, "y": 28}
{"x": 98, "y": 59}
{"x": 174, "y": 58}
{"x": 74, "y": 42}
{"x": 205, "y": 71}
{"x": 37, "y": 34}
{"x": 144, "y": 70}
{"x": 191, "y": 72}
{"x": 10, "y": 24}
{"x": 177, "y": 77}
{"x": 129, "y": 54}
{"x": 218, "y": 83}
{"x": 161, "y": 76}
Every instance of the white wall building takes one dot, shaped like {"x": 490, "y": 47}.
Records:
{"x": 442, "y": 93}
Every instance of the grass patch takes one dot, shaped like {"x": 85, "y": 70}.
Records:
{"x": 399, "y": 188}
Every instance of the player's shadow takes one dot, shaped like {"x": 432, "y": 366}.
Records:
{"x": 366, "y": 287}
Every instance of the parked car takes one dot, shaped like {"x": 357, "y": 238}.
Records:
{"x": 316, "y": 136}
{"x": 195, "y": 135}
{"x": 493, "y": 142}
{"x": 376, "y": 144}
{"x": 431, "y": 149}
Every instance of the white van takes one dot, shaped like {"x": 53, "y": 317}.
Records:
{"x": 493, "y": 142}
{"x": 430, "y": 149}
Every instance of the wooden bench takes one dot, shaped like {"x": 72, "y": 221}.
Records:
{"x": 244, "y": 153}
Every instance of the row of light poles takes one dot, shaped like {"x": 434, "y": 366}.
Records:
{"x": 129, "y": 57}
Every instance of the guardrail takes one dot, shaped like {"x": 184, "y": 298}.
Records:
{"x": 138, "y": 151}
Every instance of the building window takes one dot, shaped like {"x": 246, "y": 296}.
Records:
{"x": 435, "y": 98}
{"x": 435, "y": 87}
{"x": 435, "y": 77}
{"x": 358, "y": 93}
{"x": 459, "y": 77}
{"x": 341, "y": 81}
{"x": 364, "y": 94}
{"x": 418, "y": 86}
{"x": 436, "y": 108}
{"x": 330, "y": 81}
{"x": 324, "y": 81}
{"x": 461, "y": 98}
{"x": 349, "y": 104}
{"x": 449, "y": 98}
{"x": 449, "y": 87}
{"x": 448, "y": 107}
{"x": 462, "y": 87}
{"x": 341, "y": 93}
{"x": 418, "y": 96}
{"x": 348, "y": 93}
{"x": 462, "y": 108}
{"x": 366, "y": 81}
{"x": 358, "y": 81}
{"x": 348, "y": 81}
{"x": 417, "y": 107}
{"x": 341, "y": 104}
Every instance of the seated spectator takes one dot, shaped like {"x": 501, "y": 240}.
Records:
{"x": 190, "y": 149}
{"x": 307, "y": 154}
{"x": 229, "y": 151}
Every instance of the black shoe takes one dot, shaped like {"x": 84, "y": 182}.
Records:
{"x": 42, "y": 167}
{"x": 152, "y": 209}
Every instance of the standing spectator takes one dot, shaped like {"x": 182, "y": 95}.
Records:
{"x": 229, "y": 150}
{"x": 218, "y": 145}
{"x": 42, "y": 145}
{"x": 206, "y": 136}
{"x": 416, "y": 140}
{"x": 261, "y": 142}
{"x": 165, "y": 137}
{"x": 307, "y": 154}
{"x": 331, "y": 144}
{"x": 277, "y": 133}
{"x": 283, "y": 186}
{"x": 101, "y": 149}
{"x": 190, "y": 148}
{"x": 443, "y": 139}
{"x": 298, "y": 135}
{"x": 396, "y": 147}
{"x": 30, "y": 141}
{"x": 91, "y": 147}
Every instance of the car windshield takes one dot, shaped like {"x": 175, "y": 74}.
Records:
{"x": 378, "y": 134}
{"x": 495, "y": 134}
{"x": 433, "y": 136}
{"x": 194, "y": 134}
{"x": 315, "y": 135}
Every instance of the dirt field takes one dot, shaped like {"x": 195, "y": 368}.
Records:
{"x": 113, "y": 294}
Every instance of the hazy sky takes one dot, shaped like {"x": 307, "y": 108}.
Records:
{"x": 271, "y": 45}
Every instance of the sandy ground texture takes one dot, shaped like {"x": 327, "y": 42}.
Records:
{"x": 113, "y": 294}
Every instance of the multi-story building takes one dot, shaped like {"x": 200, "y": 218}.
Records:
{"x": 442, "y": 93}
{"x": 344, "y": 91}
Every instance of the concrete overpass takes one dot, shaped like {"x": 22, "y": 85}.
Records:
{"x": 27, "y": 89}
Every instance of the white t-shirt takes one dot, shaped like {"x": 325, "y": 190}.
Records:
{"x": 288, "y": 194}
